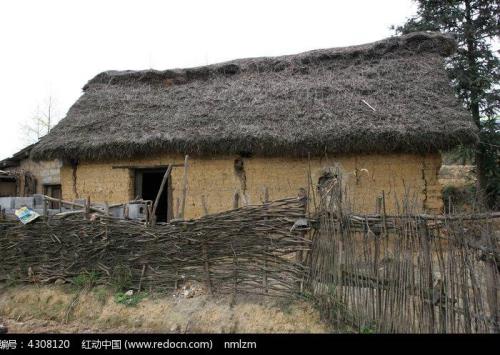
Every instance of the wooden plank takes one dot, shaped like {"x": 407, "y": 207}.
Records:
{"x": 72, "y": 204}
{"x": 146, "y": 166}
{"x": 206, "y": 267}
{"x": 184, "y": 187}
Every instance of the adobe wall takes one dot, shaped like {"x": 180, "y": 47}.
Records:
{"x": 45, "y": 172}
{"x": 7, "y": 188}
{"x": 215, "y": 178}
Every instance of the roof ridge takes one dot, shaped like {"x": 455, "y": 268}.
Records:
{"x": 415, "y": 42}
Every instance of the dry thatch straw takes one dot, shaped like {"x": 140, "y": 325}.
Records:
{"x": 388, "y": 96}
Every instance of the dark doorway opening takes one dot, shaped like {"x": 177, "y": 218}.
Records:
{"x": 147, "y": 185}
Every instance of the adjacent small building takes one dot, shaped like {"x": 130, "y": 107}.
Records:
{"x": 381, "y": 111}
{"x": 21, "y": 176}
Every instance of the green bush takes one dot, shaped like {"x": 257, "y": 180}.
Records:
{"x": 130, "y": 300}
{"x": 121, "y": 278}
{"x": 85, "y": 279}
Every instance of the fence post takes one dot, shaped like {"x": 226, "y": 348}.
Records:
{"x": 45, "y": 208}
{"x": 427, "y": 269}
{"x": 303, "y": 199}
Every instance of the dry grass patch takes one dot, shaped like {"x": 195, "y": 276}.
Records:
{"x": 63, "y": 309}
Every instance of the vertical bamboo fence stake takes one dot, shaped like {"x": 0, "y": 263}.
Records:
{"x": 492, "y": 278}
{"x": 300, "y": 257}
{"x": 205, "y": 255}
{"x": 206, "y": 265}
{"x": 235, "y": 275}
{"x": 184, "y": 187}
{"x": 427, "y": 269}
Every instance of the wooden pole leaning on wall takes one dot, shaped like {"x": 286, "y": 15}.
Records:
{"x": 184, "y": 187}
{"x": 158, "y": 195}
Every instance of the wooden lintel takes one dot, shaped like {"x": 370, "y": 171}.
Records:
{"x": 146, "y": 166}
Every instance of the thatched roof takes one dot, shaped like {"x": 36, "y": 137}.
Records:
{"x": 389, "y": 96}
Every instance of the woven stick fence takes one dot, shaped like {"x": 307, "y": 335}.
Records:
{"x": 409, "y": 272}
{"x": 248, "y": 249}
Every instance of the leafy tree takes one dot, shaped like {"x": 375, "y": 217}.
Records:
{"x": 474, "y": 70}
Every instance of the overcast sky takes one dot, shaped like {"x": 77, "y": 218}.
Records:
{"x": 51, "y": 48}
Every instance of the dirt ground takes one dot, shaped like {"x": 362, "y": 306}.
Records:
{"x": 62, "y": 309}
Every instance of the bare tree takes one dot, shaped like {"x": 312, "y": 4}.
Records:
{"x": 42, "y": 121}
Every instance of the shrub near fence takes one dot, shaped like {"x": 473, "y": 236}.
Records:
{"x": 406, "y": 273}
{"x": 248, "y": 249}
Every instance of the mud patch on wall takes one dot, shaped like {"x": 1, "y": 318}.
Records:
{"x": 239, "y": 172}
